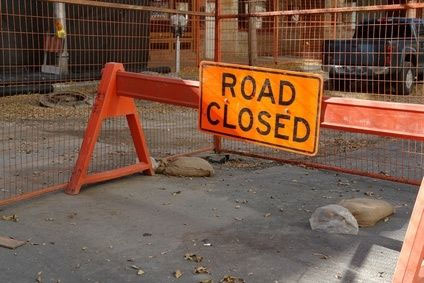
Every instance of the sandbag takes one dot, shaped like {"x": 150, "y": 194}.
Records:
{"x": 334, "y": 219}
{"x": 368, "y": 211}
{"x": 187, "y": 167}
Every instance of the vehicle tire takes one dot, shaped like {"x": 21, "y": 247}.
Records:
{"x": 405, "y": 79}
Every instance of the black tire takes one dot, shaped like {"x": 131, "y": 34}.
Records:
{"x": 405, "y": 78}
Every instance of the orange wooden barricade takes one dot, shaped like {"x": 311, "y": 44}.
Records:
{"x": 408, "y": 269}
{"x": 108, "y": 104}
{"x": 116, "y": 95}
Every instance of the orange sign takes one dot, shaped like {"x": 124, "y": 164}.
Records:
{"x": 271, "y": 107}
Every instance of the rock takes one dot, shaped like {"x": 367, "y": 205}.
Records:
{"x": 218, "y": 158}
{"x": 187, "y": 167}
{"x": 334, "y": 219}
{"x": 368, "y": 211}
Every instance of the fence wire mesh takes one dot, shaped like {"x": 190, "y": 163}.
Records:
{"x": 370, "y": 50}
{"x": 51, "y": 55}
{"x": 49, "y": 75}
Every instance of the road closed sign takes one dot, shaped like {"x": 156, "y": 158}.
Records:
{"x": 270, "y": 107}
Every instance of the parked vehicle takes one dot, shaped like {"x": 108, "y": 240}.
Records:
{"x": 385, "y": 49}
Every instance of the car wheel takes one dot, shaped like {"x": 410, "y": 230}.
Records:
{"x": 405, "y": 79}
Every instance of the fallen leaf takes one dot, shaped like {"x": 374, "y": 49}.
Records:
{"x": 321, "y": 256}
{"x": 206, "y": 243}
{"x": 176, "y": 193}
{"x": 178, "y": 273}
{"x": 343, "y": 183}
{"x": 231, "y": 279}
{"x": 201, "y": 270}
{"x": 267, "y": 215}
{"x": 164, "y": 252}
{"x": 140, "y": 272}
{"x": 237, "y": 207}
{"x": 193, "y": 257}
{"x": 12, "y": 217}
{"x": 72, "y": 215}
{"x": 84, "y": 248}
{"x": 39, "y": 279}
{"x": 134, "y": 267}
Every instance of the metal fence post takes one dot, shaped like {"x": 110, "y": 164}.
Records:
{"x": 217, "y": 142}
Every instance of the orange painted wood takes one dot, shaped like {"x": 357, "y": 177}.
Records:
{"x": 388, "y": 119}
{"x": 401, "y": 120}
{"x": 34, "y": 194}
{"x": 116, "y": 173}
{"x": 108, "y": 104}
{"x": 165, "y": 90}
{"x": 118, "y": 89}
{"x": 411, "y": 256}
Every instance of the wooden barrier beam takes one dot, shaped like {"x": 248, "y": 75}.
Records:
{"x": 400, "y": 120}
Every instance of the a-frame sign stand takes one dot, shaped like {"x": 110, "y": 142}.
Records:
{"x": 108, "y": 104}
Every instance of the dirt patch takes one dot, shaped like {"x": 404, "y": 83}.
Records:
{"x": 27, "y": 107}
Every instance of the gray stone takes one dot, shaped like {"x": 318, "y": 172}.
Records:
{"x": 334, "y": 219}
{"x": 218, "y": 158}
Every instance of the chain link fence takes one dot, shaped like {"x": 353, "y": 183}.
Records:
{"x": 52, "y": 53}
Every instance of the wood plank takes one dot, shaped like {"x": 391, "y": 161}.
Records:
{"x": 9, "y": 243}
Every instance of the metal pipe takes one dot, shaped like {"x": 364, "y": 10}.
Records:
{"x": 25, "y": 89}
{"x": 60, "y": 26}
{"x": 217, "y": 49}
{"x": 109, "y": 5}
{"x": 217, "y": 141}
{"x": 339, "y": 10}
{"x": 177, "y": 55}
